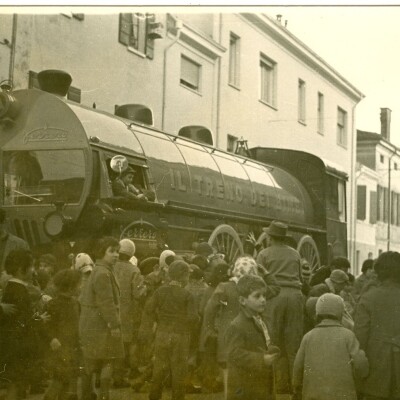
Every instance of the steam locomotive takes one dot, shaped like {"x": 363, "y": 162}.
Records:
{"x": 59, "y": 160}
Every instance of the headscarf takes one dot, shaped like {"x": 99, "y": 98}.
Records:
{"x": 244, "y": 266}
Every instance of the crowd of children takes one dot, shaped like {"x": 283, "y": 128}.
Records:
{"x": 197, "y": 324}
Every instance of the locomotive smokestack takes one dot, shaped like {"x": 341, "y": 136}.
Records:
{"x": 54, "y": 81}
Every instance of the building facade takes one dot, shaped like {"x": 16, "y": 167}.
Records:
{"x": 378, "y": 193}
{"x": 237, "y": 75}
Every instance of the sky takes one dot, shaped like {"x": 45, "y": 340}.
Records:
{"x": 361, "y": 42}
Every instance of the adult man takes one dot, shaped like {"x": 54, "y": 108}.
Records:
{"x": 324, "y": 272}
{"x": 123, "y": 186}
{"x": 368, "y": 275}
{"x": 335, "y": 284}
{"x": 285, "y": 311}
{"x": 377, "y": 327}
{"x": 8, "y": 241}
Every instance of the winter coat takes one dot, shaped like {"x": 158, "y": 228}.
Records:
{"x": 131, "y": 286}
{"x": 11, "y": 243}
{"x": 64, "y": 326}
{"x": 100, "y": 314}
{"x": 248, "y": 376}
{"x": 222, "y": 308}
{"x": 18, "y": 332}
{"x": 325, "y": 364}
{"x": 377, "y": 327}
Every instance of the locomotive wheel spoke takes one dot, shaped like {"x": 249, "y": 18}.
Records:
{"x": 227, "y": 241}
{"x": 309, "y": 251}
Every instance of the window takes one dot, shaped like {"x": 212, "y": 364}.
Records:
{"x": 302, "y": 102}
{"x": 74, "y": 94}
{"x": 231, "y": 143}
{"x": 190, "y": 74}
{"x": 321, "y": 110}
{"x": 393, "y": 209}
{"x": 395, "y": 166}
{"x": 372, "y": 208}
{"x": 268, "y": 80}
{"x": 381, "y": 158}
{"x": 133, "y": 32}
{"x": 382, "y": 206}
{"x": 361, "y": 202}
{"x": 234, "y": 60}
{"x": 43, "y": 176}
{"x": 341, "y": 127}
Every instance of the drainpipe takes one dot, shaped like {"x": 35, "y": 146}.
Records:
{"x": 12, "y": 51}
{"x": 219, "y": 84}
{"x": 178, "y": 27}
{"x": 353, "y": 204}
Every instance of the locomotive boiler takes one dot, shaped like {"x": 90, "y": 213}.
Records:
{"x": 59, "y": 160}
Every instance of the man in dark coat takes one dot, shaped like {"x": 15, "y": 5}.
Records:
{"x": 377, "y": 328}
{"x": 8, "y": 241}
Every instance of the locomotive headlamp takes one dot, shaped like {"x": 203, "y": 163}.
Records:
{"x": 55, "y": 222}
{"x": 8, "y": 107}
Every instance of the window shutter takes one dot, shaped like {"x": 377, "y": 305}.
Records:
{"x": 125, "y": 28}
{"x": 373, "y": 207}
{"x": 190, "y": 73}
{"x": 385, "y": 205}
{"x": 361, "y": 202}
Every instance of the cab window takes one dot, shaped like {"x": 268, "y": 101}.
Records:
{"x": 43, "y": 176}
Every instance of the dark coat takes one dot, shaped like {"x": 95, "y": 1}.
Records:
{"x": 100, "y": 314}
{"x": 222, "y": 308}
{"x": 377, "y": 327}
{"x": 64, "y": 326}
{"x": 18, "y": 332}
{"x": 248, "y": 376}
{"x": 12, "y": 243}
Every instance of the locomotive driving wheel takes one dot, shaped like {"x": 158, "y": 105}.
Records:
{"x": 309, "y": 251}
{"x": 226, "y": 240}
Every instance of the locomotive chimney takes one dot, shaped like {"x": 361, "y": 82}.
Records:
{"x": 54, "y": 81}
{"x": 385, "y": 123}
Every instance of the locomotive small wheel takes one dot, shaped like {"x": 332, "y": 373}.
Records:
{"x": 226, "y": 240}
{"x": 261, "y": 243}
{"x": 308, "y": 250}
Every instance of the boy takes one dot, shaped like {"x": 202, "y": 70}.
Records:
{"x": 250, "y": 353}
{"x": 174, "y": 310}
{"x": 63, "y": 329}
{"x": 329, "y": 356}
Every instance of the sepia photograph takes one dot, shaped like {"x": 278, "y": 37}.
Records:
{"x": 200, "y": 202}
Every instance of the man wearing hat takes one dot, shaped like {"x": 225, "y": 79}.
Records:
{"x": 285, "y": 311}
{"x": 123, "y": 186}
{"x": 336, "y": 282}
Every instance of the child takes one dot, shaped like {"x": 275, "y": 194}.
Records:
{"x": 63, "y": 329}
{"x": 329, "y": 356}
{"x": 249, "y": 349}
{"x": 174, "y": 310}
{"x": 18, "y": 346}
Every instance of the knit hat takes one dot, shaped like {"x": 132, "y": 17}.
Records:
{"x": 330, "y": 304}
{"x": 178, "y": 270}
{"x": 243, "y": 266}
{"x": 83, "y": 263}
{"x": 338, "y": 276}
{"x": 163, "y": 256}
{"x": 204, "y": 249}
{"x": 127, "y": 247}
